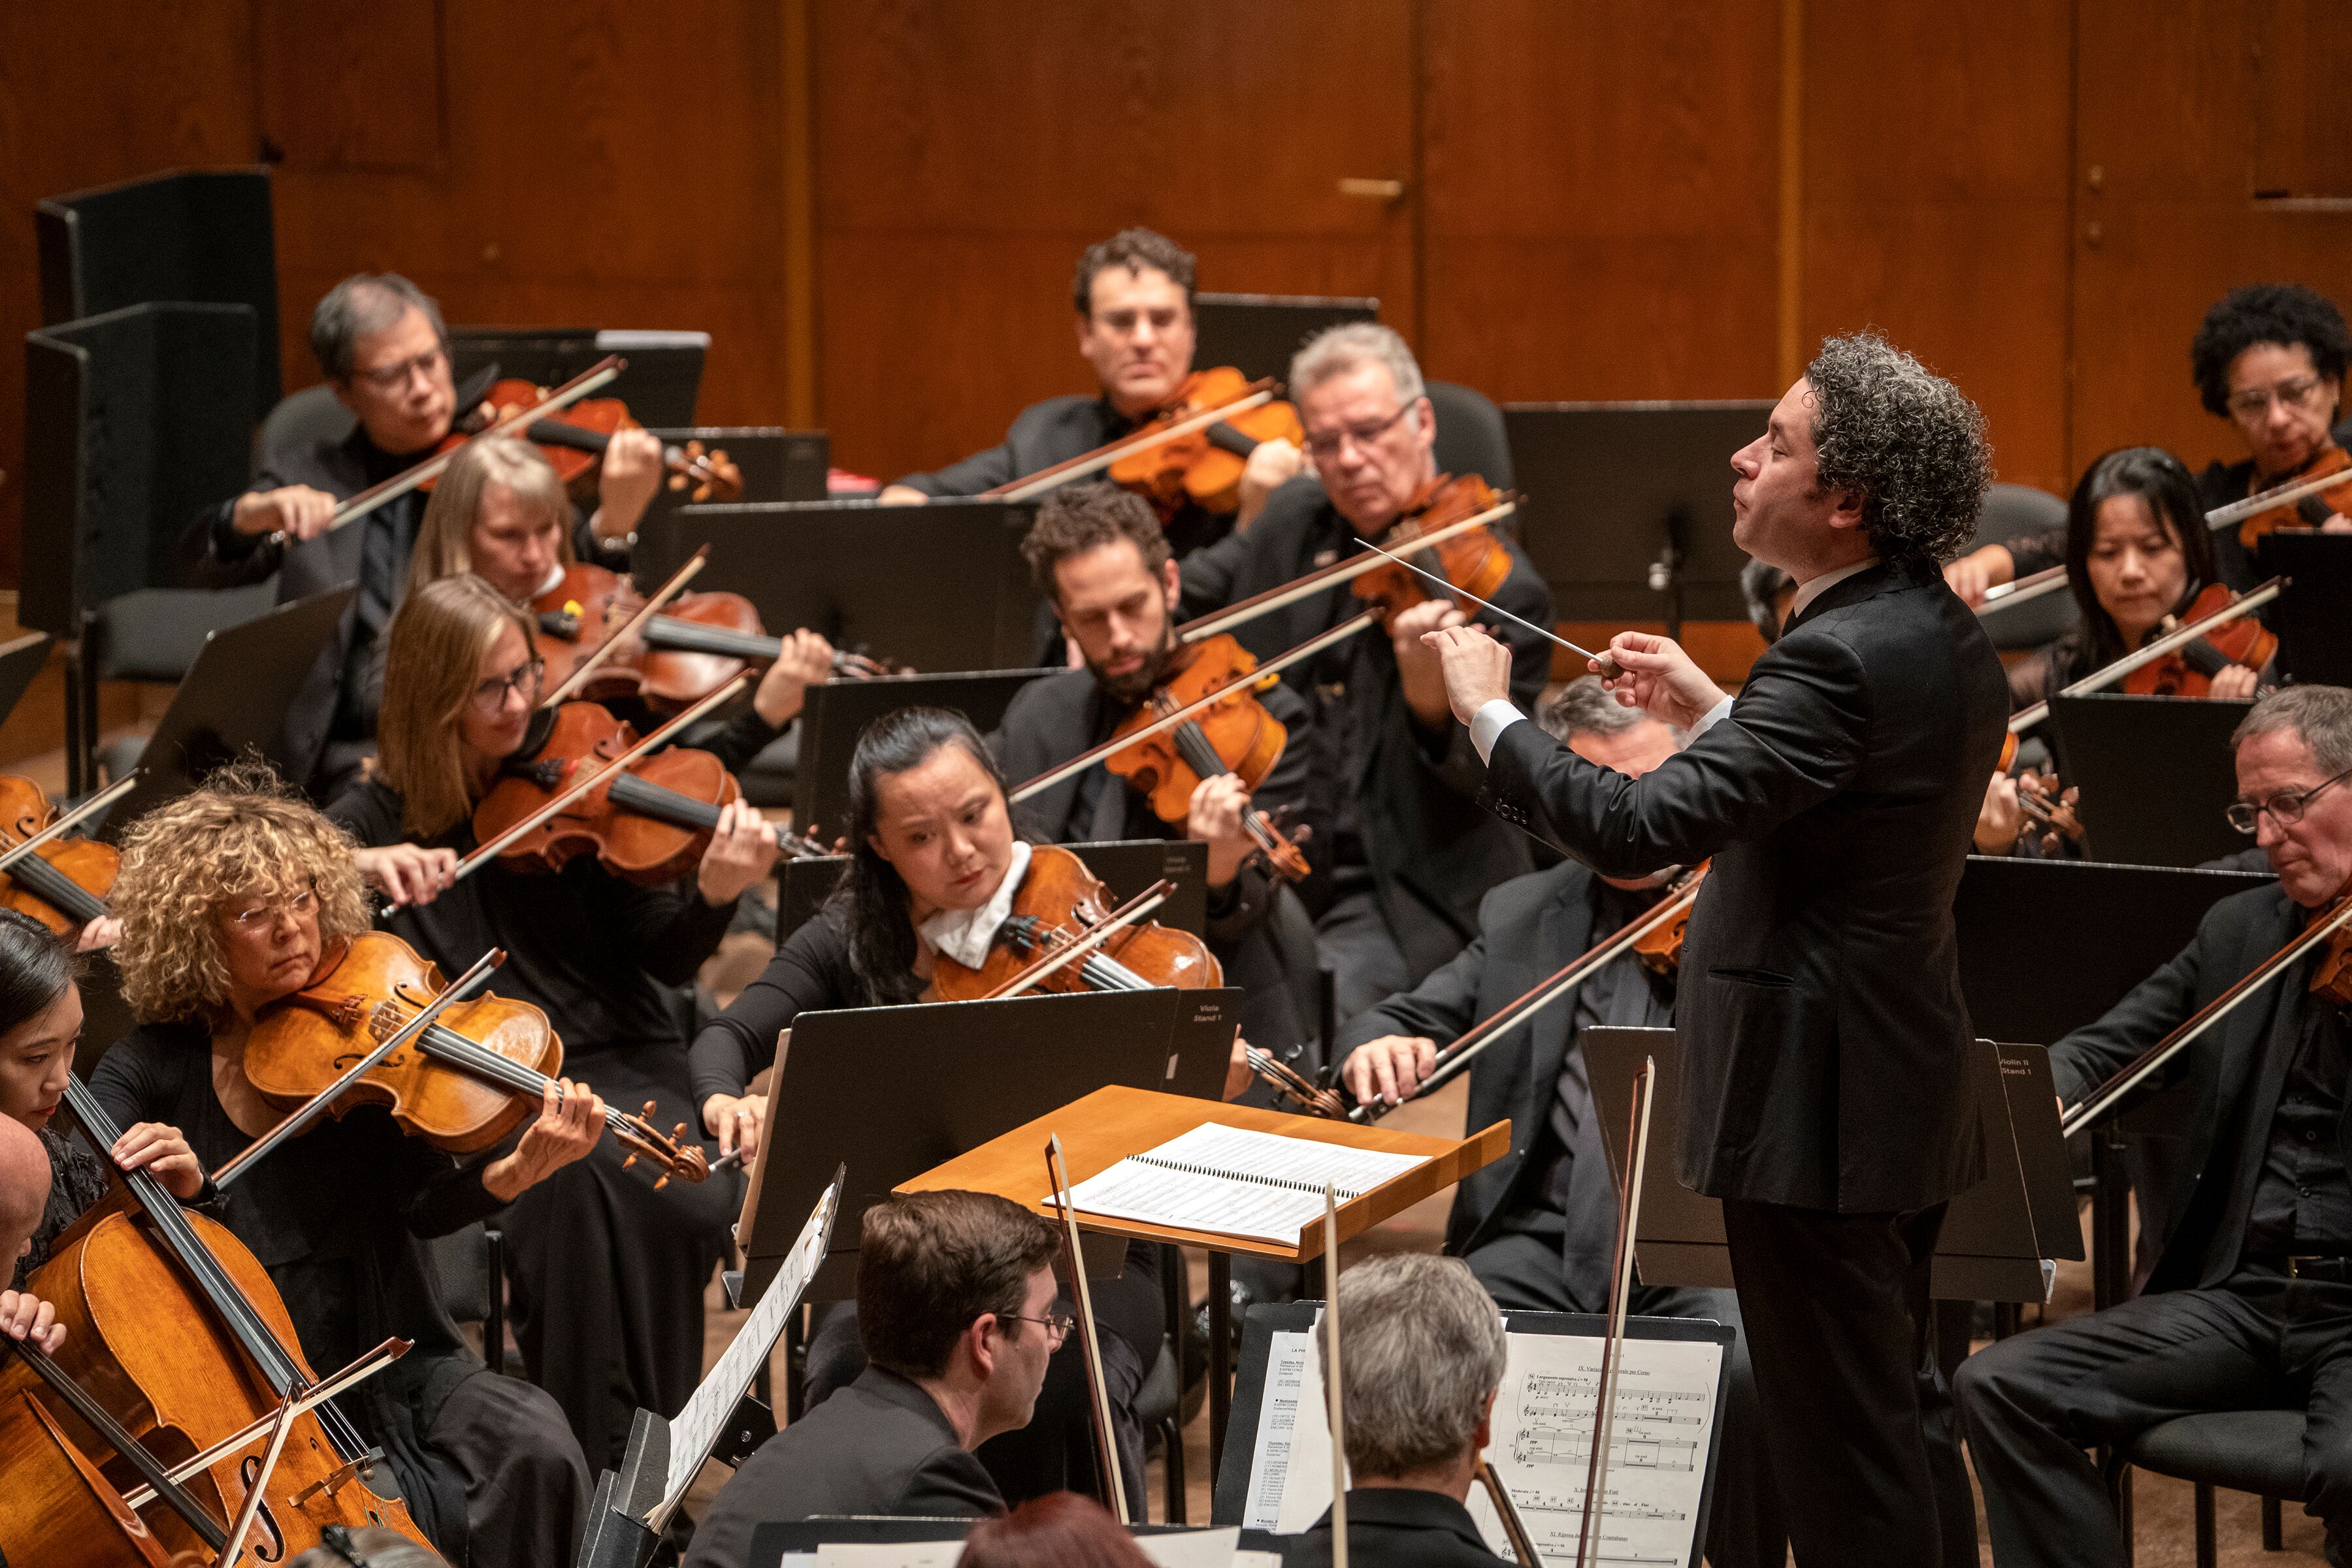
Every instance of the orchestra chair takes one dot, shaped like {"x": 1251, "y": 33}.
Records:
{"x": 134, "y": 420}
{"x": 1470, "y": 438}
{"x": 2258, "y": 1451}
{"x": 2011, "y": 511}
{"x": 205, "y": 236}
{"x": 470, "y": 1266}
{"x": 301, "y": 420}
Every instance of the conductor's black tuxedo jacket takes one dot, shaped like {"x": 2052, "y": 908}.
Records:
{"x": 1819, "y": 1012}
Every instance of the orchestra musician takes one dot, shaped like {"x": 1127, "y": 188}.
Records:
{"x": 2250, "y": 1301}
{"x": 934, "y": 868}
{"x": 1100, "y": 559}
{"x": 1537, "y": 1227}
{"x": 230, "y": 896}
{"x": 23, "y": 1199}
{"x": 1133, "y": 294}
{"x": 381, "y": 346}
{"x": 958, "y": 1315}
{"x": 1826, "y": 1098}
{"x": 1410, "y": 854}
{"x": 607, "y": 1272}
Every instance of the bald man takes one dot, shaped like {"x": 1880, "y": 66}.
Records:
{"x": 24, "y": 1193}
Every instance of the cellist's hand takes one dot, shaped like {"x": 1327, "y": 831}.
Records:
{"x": 743, "y": 848}
{"x": 150, "y": 1146}
{"x": 805, "y": 660}
{"x": 1215, "y": 817}
{"x": 407, "y": 873}
{"x": 25, "y": 1317}
{"x": 736, "y": 1121}
{"x": 1389, "y": 1069}
{"x": 626, "y": 483}
{"x": 571, "y": 1119}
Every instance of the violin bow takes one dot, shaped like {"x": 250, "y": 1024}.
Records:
{"x": 1331, "y": 1356}
{"x": 601, "y": 373}
{"x": 485, "y": 853}
{"x": 2253, "y": 599}
{"x": 1515, "y": 1528}
{"x": 1119, "y": 919}
{"x": 1057, "y": 1174}
{"x": 87, "y": 809}
{"x": 2222, "y": 517}
{"x": 1609, "y": 667}
{"x": 310, "y": 1111}
{"x": 2002, "y": 596}
{"x": 1621, "y": 1289}
{"x": 652, "y": 608}
{"x": 1103, "y": 457}
{"x": 1324, "y": 577}
{"x": 1169, "y": 720}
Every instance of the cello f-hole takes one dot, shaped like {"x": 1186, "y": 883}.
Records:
{"x": 272, "y": 1547}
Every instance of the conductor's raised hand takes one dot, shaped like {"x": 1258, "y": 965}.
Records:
{"x": 1477, "y": 667}
{"x": 1661, "y": 679}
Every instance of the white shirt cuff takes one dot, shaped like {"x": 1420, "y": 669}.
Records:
{"x": 1711, "y": 718}
{"x": 1486, "y": 726}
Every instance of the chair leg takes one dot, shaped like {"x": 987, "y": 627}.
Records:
{"x": 494, "y": 1323}
{"x": 2209, "y": 1554}
{"x": 2272, "y": 1540}
{"x": 1171, "y": 1454}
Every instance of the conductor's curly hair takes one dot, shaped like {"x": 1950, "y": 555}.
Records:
{"x": 1905, "y": 439}
{"x": 2282, "y": 313}
{"x": 242, "y": 833}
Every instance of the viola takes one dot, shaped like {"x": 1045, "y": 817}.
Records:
{"x": 1194, "y": 409}
{"x": 1236, "y": 736}
{"x": 1660, "y": 947}
{"x": 576, "y": 443}
{"x": 477, "y": 1073}
{"x": 1473, "y": 560}
{"x": 60, "y": 882}
{"x": 2331, "y": 977}
{"x": 1204, "y": 466}
{"x": 648, "y": 823}
{"x": 1058, "y": 904}
{"x": 2188, "y": 671}
{"x": 2309, "y": 510}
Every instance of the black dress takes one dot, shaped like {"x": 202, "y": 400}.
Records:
{"x": 607, "y": 1273}
{"x": 811, "y": 973}
{"x": 77, "y": 1180}
{"x": 338, "y": 1216}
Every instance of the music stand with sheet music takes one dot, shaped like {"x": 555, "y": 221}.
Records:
{"x": 234, "y": 699}
{"x": 1126, "y": 867}
{"x": 1628, "y": 509}
{"x": 2315, "y": 634}
{"x": 835, "y": 712}
{"x": 803, "y": 1538}
{"x": 1258, "y": 333}
{"x": 1997, "y": 1234}
{"x": 940, "y": 586}
{"x": 2155, "y": 773}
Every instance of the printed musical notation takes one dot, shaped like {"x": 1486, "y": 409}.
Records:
{"x": 1540, "y": 1447}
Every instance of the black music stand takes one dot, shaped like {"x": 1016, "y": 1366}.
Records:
{"x": 2315, "y": 634}
{"x": 233, "y": 701}
{"x": 838, "y": 712}
{"x": 1628, "y": 513}
{"x": 777, "y": 464}
{"x": 545, "y": 356}
{"x": 1997, "y": 1233}
{"x": 1125, "y": 867}
{"x": 662, "y": 383}
{"x": 2155, "y": 773}
{"x": 1258, "y": 333}
{"x": 805, "y": 1537}
{"x": 940, "y": 586}
{"x": 891, "y": 1093}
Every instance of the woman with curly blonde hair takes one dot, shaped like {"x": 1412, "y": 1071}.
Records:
{"x": 229, "y": 897}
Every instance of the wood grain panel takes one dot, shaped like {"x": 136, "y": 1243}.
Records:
{"x": 326, "y": 78}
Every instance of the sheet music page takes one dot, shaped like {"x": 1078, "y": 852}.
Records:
{"x": 889, "y": 1554}
{"x": 1289, "y": 1363}
{"x": 1247, "y": 1152}
{"x": 1194, "y": 1549}
{"x": 1243, "y": 1182}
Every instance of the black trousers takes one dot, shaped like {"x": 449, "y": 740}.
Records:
{"x": 2033, "y": 1402}
{"x": 1842, "y": 1336}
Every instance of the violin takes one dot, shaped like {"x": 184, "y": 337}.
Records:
{"x": 1660, "y": 946}
{"x": 647, "y": 823}
{"x": 1474, "y": 561}
{"x": 1236, "y": 736}
{"x": 2309, "y": 510}
{"x": 1058, "y": 904}
{"x": 2331, "y": 977}
{"x": 175, "y": 1327}
{"x": 60, "y": 882}
{"x": 2188, "y": 671}
{"x": 575, "y": 444}
{"x": 1204, "y": 466}
{"x": 477, "y": 1073}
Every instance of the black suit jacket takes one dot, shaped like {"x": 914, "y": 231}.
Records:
{"x": 2227, "y": 1121}
{"x": 1397, "y": 1527}
{"x": 1823, "y": 1030}
{"x": 1432, "y": 852}
{"x": 879, "y": 1445}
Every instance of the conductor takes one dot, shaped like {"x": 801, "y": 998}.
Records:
{"x": 1820, "y": 1026}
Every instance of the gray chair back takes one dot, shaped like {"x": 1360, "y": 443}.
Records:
{"x": 1470, "y": 435}
{"x": 2013, "y": 512}
{"x": 302, "y": 419}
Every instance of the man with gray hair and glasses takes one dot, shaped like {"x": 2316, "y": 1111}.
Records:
{"x": 2248, "y": 1305}
{"x": 1420, "y": 1355}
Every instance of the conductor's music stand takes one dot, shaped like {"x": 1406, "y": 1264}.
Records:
{"x": 2155, "y": 773}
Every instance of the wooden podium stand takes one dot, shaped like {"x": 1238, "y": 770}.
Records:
{"x": 1107, "y": 1126}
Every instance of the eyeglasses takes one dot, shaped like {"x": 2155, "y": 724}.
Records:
{"x": 1329, "y": 445}
{"x": 2286, "y": 807}
{"x": 1057, "y": 1326}
{"x": 393, "y": 377}
{"x": 261, "y": 917}
{"x": 2256, "y": 402}
{"x": 490, "y": 695}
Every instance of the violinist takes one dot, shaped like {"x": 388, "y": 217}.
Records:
{"x": 1409, "y": 853}
{"x": 1537, "y": 1227}
{"x": 1133, "y": 294}
{"x": 2249, "y": 1304}
{"x": 230, "y": 896}
{"x": 500, "y": 513}
{"x": 381, "y": 346}
{"x": 608, "y": 1271}
{"x": 1100, "y": 559}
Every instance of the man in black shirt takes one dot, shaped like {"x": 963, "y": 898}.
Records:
{"x": 1134, "y": 299}
{"x": 2250, "y": 1302}
{"x": 381, "y": 346}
